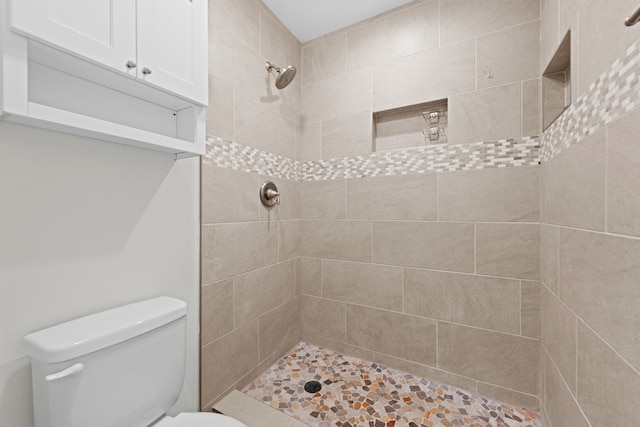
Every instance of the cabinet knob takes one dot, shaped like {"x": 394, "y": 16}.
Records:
{"x": 131, "y": 65}
{"x": 146, "y": 71}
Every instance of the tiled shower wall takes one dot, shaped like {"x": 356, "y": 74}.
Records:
{"x": 425, "y": 51}
{"x": 436, "y": 273}
{"x": 431, "y": 271}
{"x": 250, "y": 315}
{"x": 590, "y": 214}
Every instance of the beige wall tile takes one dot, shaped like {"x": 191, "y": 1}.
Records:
{"x": 486, "y": 115}
{"x": 261, "y": 290}
{"x": 220, "y": 120}
{"x": 367, "y": 284}
{"x": 309, "y": 142}
{"x": 216, "y": 310}
{"x": 339, "y": 347}
{"x": 323, "y": 318}
{"x": 231, "y": 249}
{"x": 408, "y": 337}
{"x": 323, "y": 199}
{"x": 568, "y": 10}
{"x": 393, "y": 197}
{"x": 336, "y": 97}
{"x": 484, "y": 302}
{"x": 241, "y": 346}
{"x": 239, "y": 17}
{"x": 308, "y": 276}
{"x": 509, "y": 55}
{"x": 279, "y": 327}
{"x": 560, "y": 405}
{"x": 402, "y": 82}
{"x": 499, "y": 194}
{"x": 508, "y": 250}
{"x": 461, "y": 19}
{"x": 260, "y": 127}
{"x": 608, "y": 387}
{"x": 236, "y": 64}
{"x": 558, "y": 334}
{"x": 530, "y": 308}
{"x": 575, "y": 185}
{"x": 346, "y": 240}
{"x": 288, "y": 238}
{"x": 549, "y": 40}
{"x": 289, "y": 207}
{"x": 347, "y": 136}
{"x": 509, "y": 396}
{"x": 393, "y": 36}
{"x": 549, "y": 236}
{"x": 324, "y": 60}
{"x": 602, "y": 37}
{"x": 505, "y": 360}
{"x": 599, "y": 281}
{"x": 221, "y": 205}
{"x": 623, "y": 175}
{"x": 439, "y": 246}
{"x": 424, "y": 371}
{"x": 277, "y": 44}
{"x": 531, "y": 112}
{"x": 285, "y": 102}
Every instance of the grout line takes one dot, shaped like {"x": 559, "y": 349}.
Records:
{"x": 475, "y": 248}
{"x": 557, "y": 229}
{"x": 576, "y": 364}
{"x": 606, "y": 175}
{"x": 520, "y": 317}
{"x": 403, "y": 284}
{"x": 476, "y": 61}
{"x": 438, "y": 348}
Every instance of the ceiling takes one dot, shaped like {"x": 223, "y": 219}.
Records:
{"x": 308, "y": 19}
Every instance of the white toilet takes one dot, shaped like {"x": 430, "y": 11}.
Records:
{"x": 119, "y": 368}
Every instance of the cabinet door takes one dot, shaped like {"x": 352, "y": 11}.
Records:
{"x": 172, "y": 46}
{"x": 102, "y": 31}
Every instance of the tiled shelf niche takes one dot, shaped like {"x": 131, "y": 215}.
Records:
{"x": 412, "y": 126}
{"x": 556, "y": 83}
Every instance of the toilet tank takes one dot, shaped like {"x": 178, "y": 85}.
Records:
{"x": 118, "y": 368}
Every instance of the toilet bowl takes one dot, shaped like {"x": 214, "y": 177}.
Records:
{"x": 122, "y": 367}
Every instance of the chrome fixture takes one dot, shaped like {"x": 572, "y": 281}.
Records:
{"x": 146, "y": 71}
{"x": 285, "y": 76}
{"x": 633, "y": 19}
{"x": 269, "y": 195}
{"x": 131, "y": 65}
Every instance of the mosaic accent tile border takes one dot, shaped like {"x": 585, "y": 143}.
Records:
{"x": 358, "y": 393}
{"x": 433, "y": 158}
{"x": 232, "y": 155}
{"x": 614, "y": 93}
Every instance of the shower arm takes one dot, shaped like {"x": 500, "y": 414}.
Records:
{"x": 633, "y": 19}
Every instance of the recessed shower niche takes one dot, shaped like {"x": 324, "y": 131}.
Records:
{"x": 411, "y": 126}
{"x": 556, "y": 83}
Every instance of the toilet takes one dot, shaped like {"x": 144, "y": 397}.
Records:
{"x": 122, "y": 367}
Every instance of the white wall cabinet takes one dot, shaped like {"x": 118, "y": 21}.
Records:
{"x": 126, "y": 71}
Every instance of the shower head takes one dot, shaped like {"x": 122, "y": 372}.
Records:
{"x": 284, "y": 76}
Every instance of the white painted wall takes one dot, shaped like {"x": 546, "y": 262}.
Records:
{"x": 86, "y": 226}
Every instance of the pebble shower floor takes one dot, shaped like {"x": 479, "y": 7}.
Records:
{"x": 358, "y": 393}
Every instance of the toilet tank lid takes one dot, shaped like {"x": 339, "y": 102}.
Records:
{"x": 94, "y": 332}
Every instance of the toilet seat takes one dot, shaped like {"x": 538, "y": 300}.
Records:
{"x": 199, "y": 419}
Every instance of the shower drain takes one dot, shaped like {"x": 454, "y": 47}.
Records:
{"x": 312, "y": 387}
